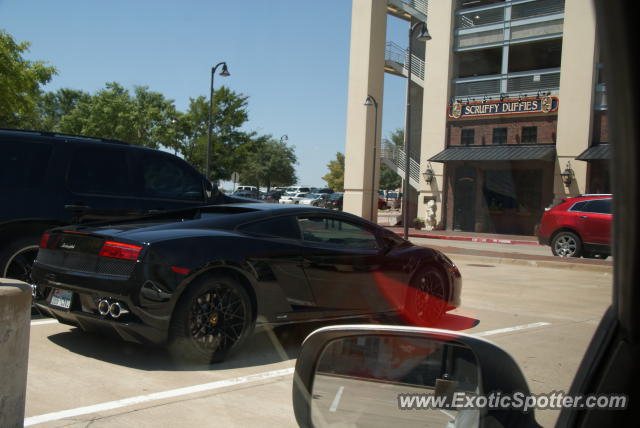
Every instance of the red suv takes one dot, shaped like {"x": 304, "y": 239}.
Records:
{"x": 579, "y": 226}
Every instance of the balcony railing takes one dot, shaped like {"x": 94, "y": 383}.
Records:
{"x": 495, "y": 13}
{"x": 419, "y": 5}
{"x": 399, "y": 55}
{"x": 522, "y": 82}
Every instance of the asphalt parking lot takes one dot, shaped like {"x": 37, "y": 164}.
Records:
{"x": 543, "y": 316}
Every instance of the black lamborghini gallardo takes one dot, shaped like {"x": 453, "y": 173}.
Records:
{"x": 199, "y": 280}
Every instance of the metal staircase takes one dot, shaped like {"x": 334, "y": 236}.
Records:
{"x": 396, "y": 61}
{"x": 394, "y": 158}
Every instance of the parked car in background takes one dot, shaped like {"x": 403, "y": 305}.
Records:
{"x": 292, "y": 197}
{"x": 188, "y": 278}
{"x": 382, "y": 203}
{"x": 49, "y": 180}
{"x": 298, "y": 189}
{"x": 334, "y": 202}
{"x": 314, "y": 199}
{"x": 251, "y": 194}
{"x": 579, "y": 226}
{"x": 273, "y": 196}
{"x": 247, "y": 188}
{"x": 325, "y": 190}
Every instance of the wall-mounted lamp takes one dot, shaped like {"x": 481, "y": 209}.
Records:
{"x": 428, "y": 174}
{"x": 567, "y": 175}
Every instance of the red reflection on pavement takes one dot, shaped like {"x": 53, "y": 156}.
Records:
{"x": 396, "y": 293}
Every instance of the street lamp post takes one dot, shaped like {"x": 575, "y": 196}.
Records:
{"x": 368, "y": 102}
{"x": 224, "y": 73}
{"x": 422, "y": 36}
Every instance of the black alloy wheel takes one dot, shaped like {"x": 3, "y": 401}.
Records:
{"x": 428, "y": 296}
{"x": 16, "y": 262}
{"x": 20, "y": 263}
{"x": 211, "y": 320}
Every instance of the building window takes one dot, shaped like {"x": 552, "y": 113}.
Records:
{"x": 468, "y": 135}
{"x": 499, "y": 135}
{"x": 530, "y": 134}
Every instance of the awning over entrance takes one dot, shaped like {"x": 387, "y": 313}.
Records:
{"x": 597, "y": 152}
{"x": 506, "y": 152}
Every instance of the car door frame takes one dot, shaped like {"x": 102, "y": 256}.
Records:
{"x": 372, "y": 258}
{"x": 610, "y": 363}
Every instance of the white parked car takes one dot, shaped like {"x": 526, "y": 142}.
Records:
{"x": 313, "y": 199}
{"x": 292, "y": 198}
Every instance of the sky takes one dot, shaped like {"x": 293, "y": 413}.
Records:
{"x": 291, "y": 57}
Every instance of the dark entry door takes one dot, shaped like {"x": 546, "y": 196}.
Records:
{"x": 464, "y": 195}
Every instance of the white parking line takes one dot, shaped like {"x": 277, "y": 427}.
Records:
{"x": 336, "y": 400}
{"x": 41, "y": 322}
{"x": 110, "y": 405}
{"x": 509, "y": 329}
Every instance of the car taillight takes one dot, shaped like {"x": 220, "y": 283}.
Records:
{"x": 44, "y": 240}
{"x": 118, "y": 250}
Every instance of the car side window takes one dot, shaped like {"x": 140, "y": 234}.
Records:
{"x": 578, "y": 206}
{"x": 279, "y": 227}
{"x": 166, "y": 178}
{"x": 100, "y": 170}
{"x": 337, "y": 233}
{"x": 600, "y": 206}
{"x": 23, "y": 164}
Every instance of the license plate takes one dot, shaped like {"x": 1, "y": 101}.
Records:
{"x": 61, "y": 298}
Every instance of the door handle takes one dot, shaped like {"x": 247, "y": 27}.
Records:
{"x": 584, "y": 216}
{"x": 74, "y": 207}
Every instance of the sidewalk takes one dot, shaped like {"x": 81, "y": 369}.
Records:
{"x": 388, "y": 218}
{"x": 484, "y": 256}
{"x": 487, "y": 238}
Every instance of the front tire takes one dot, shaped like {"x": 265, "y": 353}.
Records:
{"x": 212, "y": 319}
{"x": 427, "y": 297}
{"x": 566, "y": 244}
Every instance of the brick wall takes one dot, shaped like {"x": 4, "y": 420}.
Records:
{"x": 600, "y": 127}
{"x": 484, "y": 129}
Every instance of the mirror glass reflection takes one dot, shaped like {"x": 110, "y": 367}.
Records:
{"x": 373, "y": 380}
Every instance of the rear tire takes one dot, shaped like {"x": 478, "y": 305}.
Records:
{"x": 212, "y": 319}
{"x": 428, "y": 297}
{"x": 566, "y": 244}
{"x": 16, "y": 261}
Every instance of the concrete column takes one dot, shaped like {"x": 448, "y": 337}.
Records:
{"x": 366, "y": 77}
{"x": 577, "y": 77}
{"x": 439, "y": 58}
{"x": 15, "y": 321}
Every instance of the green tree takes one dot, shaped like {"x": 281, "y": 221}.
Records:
{"x": 269, "y": 163}
{"x": 230, "y": 145}
{"x": 53, "y": 106}
{"x": 21, "y": 83}
{"x": 144, "y": 119}
{"x": 389, "y": 180}
{"x": 335, "y": 176}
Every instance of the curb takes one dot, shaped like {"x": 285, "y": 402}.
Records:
{"x": 457, "y": 257}
{"x": 472, "y": 239}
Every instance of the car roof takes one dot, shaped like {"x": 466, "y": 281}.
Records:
{"x": 25, "y": 134}
{"x": 589, "y": 197}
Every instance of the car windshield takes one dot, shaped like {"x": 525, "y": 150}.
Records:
{"x": 453, "y": 133}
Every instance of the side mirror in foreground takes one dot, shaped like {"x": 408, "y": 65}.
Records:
{"x": 393, "y": 376}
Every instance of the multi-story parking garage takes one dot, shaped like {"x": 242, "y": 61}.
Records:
{"x": 508, "y": 109}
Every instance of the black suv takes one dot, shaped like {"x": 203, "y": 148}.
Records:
{"x": 49, "y": 180}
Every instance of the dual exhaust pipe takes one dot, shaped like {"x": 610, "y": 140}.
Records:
{"x": 115, "y": 309}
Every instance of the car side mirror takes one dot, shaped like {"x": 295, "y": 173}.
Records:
{"x": 374, "y": 375}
